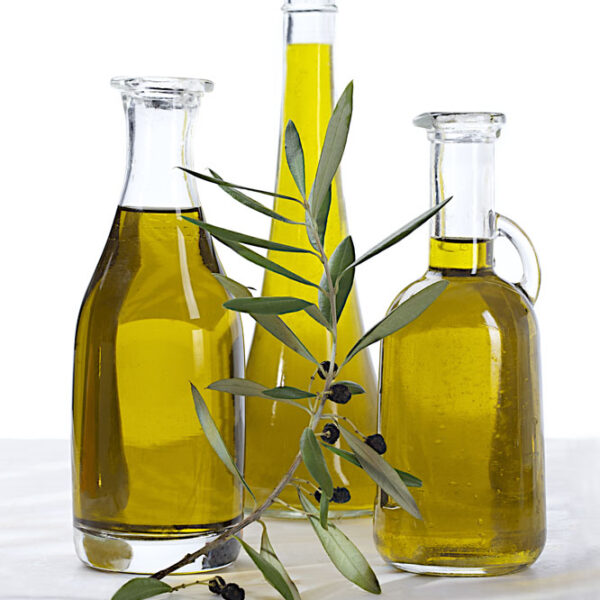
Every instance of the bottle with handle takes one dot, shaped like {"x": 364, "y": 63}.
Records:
{"x": 308, "y": 101}
{"x": 459, "y": 400}
{"x": 147, "y": 485}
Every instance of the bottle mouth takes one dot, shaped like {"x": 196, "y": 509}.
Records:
{"x": 461, "y": 126}
{"x": 164, "y": 88}
{"x": 309, "y": 6}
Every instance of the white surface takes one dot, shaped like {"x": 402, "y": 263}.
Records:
{"x": 38, "y": 560}
{"x": 62, "y": 156}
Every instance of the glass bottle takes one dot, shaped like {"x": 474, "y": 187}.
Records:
{"x": 308, "y": 101}
{"x": 147, "y": 486}
{"x": 460, "y": 386}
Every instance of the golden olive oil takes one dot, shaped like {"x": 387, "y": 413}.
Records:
{"x": 460, "y": 409}
{"x": 151, "y": 322}
{"x": 273, "y": 428}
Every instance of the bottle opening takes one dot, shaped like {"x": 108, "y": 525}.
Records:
{"x": 461, "y": 126}
{"x": 162, "y": 87}
{"x": 309, "y": 6}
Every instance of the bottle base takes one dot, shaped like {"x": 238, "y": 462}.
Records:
{"x": 456, "y": 571}
{"x": 143, "y": 555}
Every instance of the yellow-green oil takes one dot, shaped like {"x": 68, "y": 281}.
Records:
{"x": 460, "y": 408}
{"x": 273, "y": 429}
{"x": 151, "y": 323}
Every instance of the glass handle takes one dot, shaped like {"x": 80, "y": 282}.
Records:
{"x": 532, "y": 276}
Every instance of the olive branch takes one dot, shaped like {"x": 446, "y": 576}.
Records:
{"x": 333, "y": 290}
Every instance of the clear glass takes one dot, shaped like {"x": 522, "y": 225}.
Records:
{"x": 459, "y": 398}
{"x": 308, "y": 101}
{"x": 147, "y": 486}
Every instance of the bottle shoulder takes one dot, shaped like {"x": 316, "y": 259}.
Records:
{"x": 472, "y": 299}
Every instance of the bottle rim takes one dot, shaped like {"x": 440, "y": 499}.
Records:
{"x": 461, "y": 126}
{"x": 162, "y": 87}
{"x": 309, "y": 6}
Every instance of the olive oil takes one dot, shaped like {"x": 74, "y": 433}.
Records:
{"x": 151, "y": 323}
{"x": 463, "y": 416}
{"x": 272, "y": 428}
{"x": 459, "y": 400}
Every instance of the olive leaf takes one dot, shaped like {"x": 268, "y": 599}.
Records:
{"x": 313, "y": 458}
{"x": 286, "y": 392}
{"x": 346, "y": 557}
{"x": 268, "y": 553}
{"x": 381, "y": 472}
{"x": 323, "y": 510}
{"x": 400, "y": 234}
{"x": 264, "y": 262}
{"x": 242, "y": 198}
{"x": 248, "y": 388}
{"x": 331, "y": 154}
{"x": 342, "y": 256}
{"x": 236, "y": 236}
{"x": 140, "y": 588}
{"x": 322, "y": 216}
{"x": 313, "y": 311}
{"x": 228, "y": 186}
{"x": 295, "y": 156}
{"x": 271, "y": 573}
{"x": 409, "y": 480}
{"x": 267, "y": 305}
{"x": 402, "y": 315}
{"x": 237, "y": 385}
{"x": 272, "y": 323}
{"x": 214, "y": 437}
{"x": 354, "y": 388}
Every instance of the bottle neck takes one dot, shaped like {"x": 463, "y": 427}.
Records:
{"x": 159, "y": 133}
{"x": 309, "y": 22}
{"x": 462, "y": 232}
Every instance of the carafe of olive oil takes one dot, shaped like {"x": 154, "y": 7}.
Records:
{"x": 270, "y": 427}
{"x": 147, "y": 486}
{"x": 460, "y": 386}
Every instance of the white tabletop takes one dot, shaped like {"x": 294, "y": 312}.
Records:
{"x": 37, "y": 558}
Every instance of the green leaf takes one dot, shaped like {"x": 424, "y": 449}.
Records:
{"x": 313, "y": 311}
{"x": 342, "y": 256}
{"x": 228, "y": 186}
{"x": 267, "y": 305}
{"x": 346, "y": 557}
{"x": 354, "y": 388}
{"x": 271, "y": 573}
{"x": 248, "y": 388}
{"x": 311, "y": 231}
{"x": 400, "y": 234}
{"x": 323, "y": 510}
{"x": 401, "y": 316}
{"x": 214, "y": 437}
{"x": 272, "y": 323}
{"x": 235, "y": 236}
{"x": 287, "y": 392}
{"x": 264, "y": 262}
{"x": 333, "y": 149}
{"x": 268, "y": 553}
{"x": 141, "y": 588}
{"x": 322, "y": 216}
{"x": 313, "y": 458}
{"x": 237, "y": 385}
{"x": 381, "y": 472}
{"x": 409, "y": 480}
{"x": 233, "y": 287}
{"x": 295, "y": 157}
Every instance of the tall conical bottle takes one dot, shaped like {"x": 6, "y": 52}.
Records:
{"x": 460, "y": 385}
{"x": 147, "y": 486}
{"x": 273, "y": 429}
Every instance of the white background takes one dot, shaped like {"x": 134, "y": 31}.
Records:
{"x": 63, "y": 153}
